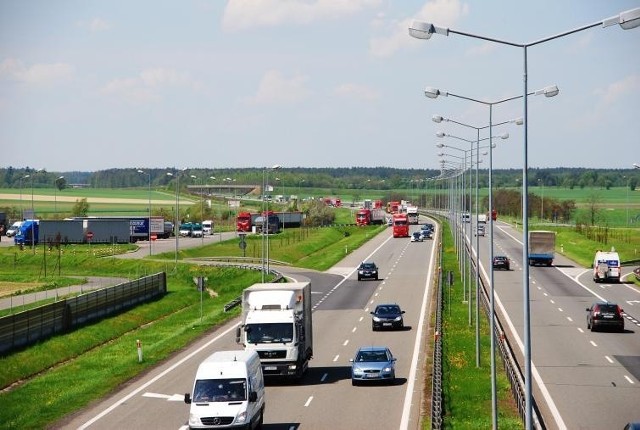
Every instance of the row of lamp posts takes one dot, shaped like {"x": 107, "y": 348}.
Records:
{"x": 423, "y": 30}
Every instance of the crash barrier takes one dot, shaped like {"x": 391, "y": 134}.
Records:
{"x": 436, "y": 382}
{"x": 34, "y": 325}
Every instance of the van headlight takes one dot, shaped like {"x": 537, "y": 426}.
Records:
{"x": 241, "y": 417}
{"x": 194, "y": 420}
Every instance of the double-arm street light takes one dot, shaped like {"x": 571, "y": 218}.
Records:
{"x": 627, "y": 20}
{"x": 176, "y": 226}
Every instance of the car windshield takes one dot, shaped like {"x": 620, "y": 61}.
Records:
{"x": 220, "y": 390}
{"x": 372, "y": 356}
{"x": 368, "y": 266}
{"x": 388, "y": 309}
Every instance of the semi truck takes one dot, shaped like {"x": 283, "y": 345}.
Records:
{"x": 412, "y": 214}
{"x": 277, "y": 324}
{"x": 370, "y": 216}
{"x": 542, "y": 245}
{"x": 400, "y": 225}
{"x": 27, "y": 233}
{"x": 245, "y": 221}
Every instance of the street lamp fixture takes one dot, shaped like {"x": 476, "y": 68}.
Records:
{"x": 422, "y": 30}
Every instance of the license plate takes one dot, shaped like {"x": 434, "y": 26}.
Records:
{"x": 270, "y": 368}
{"x": 607, "y": 317}
{"x": 371, "y": 376}
{"x": 386, "y": 324}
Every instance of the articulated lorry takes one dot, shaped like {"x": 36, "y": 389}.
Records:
{"x": 276, "y": 323}
{"x": 542, "y": 246}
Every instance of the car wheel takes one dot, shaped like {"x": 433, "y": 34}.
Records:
{"x": 373, "y": 327}
{"x": 588, "y": 325}
{"x": 354, "y": 382}
{"x": 359, "y": 278}
{"x": 376, "y": 277}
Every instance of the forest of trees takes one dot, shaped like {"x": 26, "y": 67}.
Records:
{"x": 374, "y": 178}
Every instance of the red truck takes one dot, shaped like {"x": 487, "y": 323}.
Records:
{"x": 393, "y": 207}
{"x": 369, "y": 216}
{"x": 400, "y": 225}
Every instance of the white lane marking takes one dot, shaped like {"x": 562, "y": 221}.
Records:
{"x": 170, "y": 369}
{"x": 324, "y": 377}
{"x": 560, "y": 309}
{"x": 593, "y": 343}
{"x": 308, "y": 402}
{"x": 172, "y": 398}
{"x": 629, "y": 379}
{"x": 609, "y": 359}
{"x": 360, "y": 319}
{"x": 336, "y": 358}
{"x": 570, "y": 319}
{"x": 404, "y": 422}
{"x": 354, "y": 329}
{"x": 580, "y": 330}
{"x": 345, "y": 343}
{"x": 552, "y": 302}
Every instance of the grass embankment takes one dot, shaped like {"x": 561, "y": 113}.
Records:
{"x": 467, "y": 388}
{"x": 65, "y": 373}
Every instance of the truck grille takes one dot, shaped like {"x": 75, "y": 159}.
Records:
{"x": 273, "y": 354}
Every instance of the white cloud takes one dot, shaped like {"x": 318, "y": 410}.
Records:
{"x": 356, "y": 91}
{"x": 37, "y": 74}
{"x": 442, "y": 13}
{"x": 616, "y": 90}
{"x": 241, "y": 14}
{"x": 147, "y": 86}
{"x": 274, "y": 88}
{"x": 95, "y": 25}
{"x": 481, "y": 50}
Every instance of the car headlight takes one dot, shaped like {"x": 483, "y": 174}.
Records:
{"x": 387, "y": 369}
{"x": 361, "y": 271}
{"x": 376, "y": 319}
{"x": 397, "y": 318}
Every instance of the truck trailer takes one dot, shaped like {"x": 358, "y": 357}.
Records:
{"x": 606, "y": 267}
{"x": 542, "y": 245}
{"x": 276, "y": 323}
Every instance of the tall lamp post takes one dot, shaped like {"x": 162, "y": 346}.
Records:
{"x": 149, "y": 208}
{"x": 176, "y": 226}
{"x": 265, "y": 219}
{"x": 550, "y": 91}
{"x": 423, "y": 30}
{"x": 56, "y": 184}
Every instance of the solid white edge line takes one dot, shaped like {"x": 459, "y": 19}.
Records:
{"x": 406, "y": 410}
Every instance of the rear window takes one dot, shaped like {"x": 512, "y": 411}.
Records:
{"x": 609, "y": 308}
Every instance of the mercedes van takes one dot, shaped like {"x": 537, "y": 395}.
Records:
{"x": 228, "y": 392}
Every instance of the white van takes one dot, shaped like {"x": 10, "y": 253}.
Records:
{"x": 207, "y": 227}
{"x": 606, "y": 266}
{"x": 228, "y": 392}
{"x": 11, "y": 231}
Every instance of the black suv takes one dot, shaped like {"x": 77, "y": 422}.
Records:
{"x": 367, "y": 270}
{"x": 605, "y": 314}
{"x": 501, "y": 262}
{"x": 387, "y": 316}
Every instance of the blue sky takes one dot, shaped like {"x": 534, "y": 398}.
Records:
{"x": 91, "y": 85}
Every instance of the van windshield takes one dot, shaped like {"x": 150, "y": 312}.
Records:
{"x": 220, "y": 390}
{"x": 269, "y": 333}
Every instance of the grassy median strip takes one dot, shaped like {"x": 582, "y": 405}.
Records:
{"x": 467, "y": 388}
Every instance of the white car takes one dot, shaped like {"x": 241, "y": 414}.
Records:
{"x": 11, "y": 231}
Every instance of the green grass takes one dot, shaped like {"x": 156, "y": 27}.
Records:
{"x": 467, "y": 388}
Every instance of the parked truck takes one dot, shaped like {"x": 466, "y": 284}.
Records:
{"x": 370, "y": 216}
{"x": 27, "y": 234}
{"x": 542, "y": 246}
{"x": 245, "y": 221}
{"x": 276, "y": 323}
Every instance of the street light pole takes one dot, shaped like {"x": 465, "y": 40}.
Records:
{"x": 149, "y": 218}
{"x": 627, "y": 20}
{"x": 55, "y": 194}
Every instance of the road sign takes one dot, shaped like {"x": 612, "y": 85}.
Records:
{"x": 89, "y": 235}
{"x": 154, "y": 236}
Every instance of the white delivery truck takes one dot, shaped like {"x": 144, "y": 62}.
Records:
{"x": 482, "y": 219}
{"x": 207, "y": 227}
{"x": 606, "y": 266}
{"x": 228, "y": 392}
{"x": 276, "y": 323}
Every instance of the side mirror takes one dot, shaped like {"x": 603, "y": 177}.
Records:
{"x": 403, "y": 311}
{"x": 253, "y": 396}
{"x": 588, "y": 309}
{"x": 238, "y": 332}
{"x": 187, "y": 398}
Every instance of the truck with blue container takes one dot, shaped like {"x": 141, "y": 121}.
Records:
{"x": 542, "y": 247}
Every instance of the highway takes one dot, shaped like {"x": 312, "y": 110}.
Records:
{"x": 582, "y": 379}
{"x": 325, "y": 397}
